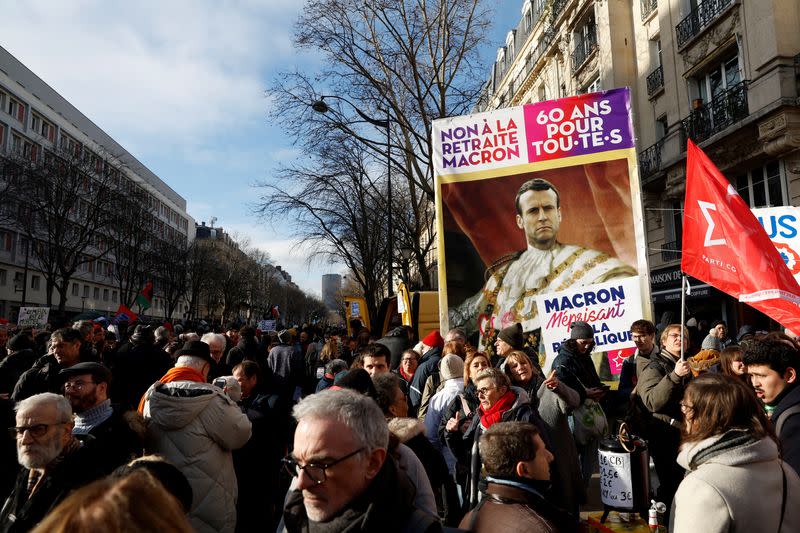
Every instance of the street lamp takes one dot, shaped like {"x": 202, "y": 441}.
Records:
{"x": 321, "y": 107}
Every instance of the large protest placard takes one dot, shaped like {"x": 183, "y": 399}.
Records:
{"x": 536, "y": 204}
{"x": 782, "y": 225}
{"x": 33, "y": 317}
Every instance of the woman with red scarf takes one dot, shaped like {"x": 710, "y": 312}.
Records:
{"x": 498, "y": 403}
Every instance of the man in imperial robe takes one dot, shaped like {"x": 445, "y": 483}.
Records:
{"x": 545, "y": 266}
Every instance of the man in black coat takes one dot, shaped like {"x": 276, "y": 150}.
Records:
{"x": 53, "y": 461}
{"x": 137, "y": 365}
{"x": 44, "y": 375}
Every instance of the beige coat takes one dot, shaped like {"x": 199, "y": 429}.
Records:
{"x": 737, "y": 490}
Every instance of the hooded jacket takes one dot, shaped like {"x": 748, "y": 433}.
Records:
{"x": 195, "y": 426}
{"x": 734, "y": 484}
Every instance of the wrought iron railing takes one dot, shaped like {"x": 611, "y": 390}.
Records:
{"x": 655, "y": 81}
{"x": 699, "y": 18}
{"x": 647, "y": 7}
{"x": 670, "y": 251}
{"x": 583, "y": 49}
{"x": 725, "y": 110}
{"x": 650, "y": 160}
{"x": 558, "y": 7}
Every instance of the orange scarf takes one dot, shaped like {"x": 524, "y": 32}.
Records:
{"x": 181, "y": 373}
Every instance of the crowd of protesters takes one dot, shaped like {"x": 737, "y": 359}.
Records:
{"x": 175, "y": 428}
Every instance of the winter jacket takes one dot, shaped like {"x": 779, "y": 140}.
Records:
{"x": 12, "y": 368}
{"x": 387, "y": 505}
{"x": 790, "y": 432}
{"x": 397, "y": 342}
{"x": 433, "y": 418}
{"x": 195, "y": 426}
{"x": 465, "y": 446}
{"x": 576, "y": 370}
{"x": 427, "y": 366}
{"x": 286, "y": 365}
{"x": 20, "y": 513}
{"x": 432, "y": 386}
{"x": 554, "y": 410}
{"x": 734, "y": 484}
{"x": 135, "y": 368}
{"x": 42, "y": 377}
{"x": 661, "y": 389}
{"x": 117, "y": 440}
{"x": 516, "y": 505}
{"x": 411, "y": 432}
{"x": 245, "y": 350}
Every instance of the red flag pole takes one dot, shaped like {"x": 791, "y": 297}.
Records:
{"x": 683, "y": 312}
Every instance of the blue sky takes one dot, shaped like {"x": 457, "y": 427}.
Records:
{"x": 180, "y": 84}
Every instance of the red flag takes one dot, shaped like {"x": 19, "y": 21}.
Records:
{"x": 125, "y": 314}
{"x": 725, "y": 246}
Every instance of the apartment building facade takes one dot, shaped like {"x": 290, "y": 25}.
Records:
{"x": 36, "y": 121}
{"x": 724, "y": 73}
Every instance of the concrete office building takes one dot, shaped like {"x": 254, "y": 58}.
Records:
{"x": 36, "y": 121}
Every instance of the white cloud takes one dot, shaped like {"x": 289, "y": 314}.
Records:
{"x": 182, "y": 70}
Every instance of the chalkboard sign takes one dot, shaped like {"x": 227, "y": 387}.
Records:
{"x": 616, "y": 486}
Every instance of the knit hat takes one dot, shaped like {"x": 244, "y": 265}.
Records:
{"x": 580, "y": 330}
{"x": 451, "y": 366}
{"x": 513, "y": 336}
{"x": 143, "y": 334}
{"x": 285, "y": 336}
{"x": 434, "y": 339}
{"x": 358, "y": 380}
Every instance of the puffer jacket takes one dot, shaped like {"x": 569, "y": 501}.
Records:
{"x": 195, "y": 426}
{"x": 735, "y": 483}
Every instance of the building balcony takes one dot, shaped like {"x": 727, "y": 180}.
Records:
{"x": 698, "y": 19}
{"x": 726, "y": 109}
{"x": 655, "y": 81}
{"x": 558, "y": 8}
{"x": 583, "y": 49}
{"x": 647, "y": 7}
{"x": 650, "y": 161}
{"x": 670, "y": 251}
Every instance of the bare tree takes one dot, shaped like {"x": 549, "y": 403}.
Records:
{"x": 412, "y": 61}
{"x": 334, "y": 205}
{"x": 63, "y": 211}
{"x": 201, "y": 269}
{"x": 172, "y": 273}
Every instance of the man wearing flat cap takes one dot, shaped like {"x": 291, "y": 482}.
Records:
{"x": 195, "y": 426}
{"x": 115, "y": 437}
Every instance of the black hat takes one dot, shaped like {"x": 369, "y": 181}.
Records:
{"x": 285, "y": 336}
{"x": 19, "y": 342}
{"x": 513, "y": 336}
{"x": 143, "y": 335}
{"x": 744, "y": 331}
{"x": 99, "y": 372}
{"x": 358, "y": 380}
{"x": 580, "y": 330}
{"x": 196, "y": 349}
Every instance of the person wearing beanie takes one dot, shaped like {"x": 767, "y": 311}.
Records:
{"x": 433, "y": 340}
{"x": 575, "y": 368}
{"x": 429, "y": 364}
{"x": 508, "y": 340}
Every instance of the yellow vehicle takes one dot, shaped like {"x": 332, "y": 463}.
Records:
{"x": 417, "y": 309}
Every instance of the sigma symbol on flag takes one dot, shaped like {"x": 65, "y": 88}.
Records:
{"x": 705, "y": 208}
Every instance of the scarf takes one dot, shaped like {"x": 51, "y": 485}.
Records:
{"x": 177, "y": 373}
{"x": 495, "y": 413}
{"x": 406, "y": 377}
{"x": 733, "y": 438}
{"x": 94, "y": 416}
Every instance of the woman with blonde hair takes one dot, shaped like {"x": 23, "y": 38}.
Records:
{"x": 736, "y": 480}
{"x": 136, "y": 503}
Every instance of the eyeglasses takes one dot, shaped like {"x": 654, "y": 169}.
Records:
{"x": 317, "y": 473}
{"x": 676, "y": 336}
{"x": 36, "y": 431}
{"x": 484, "y": 391}
{"x": 78, "y": 385}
